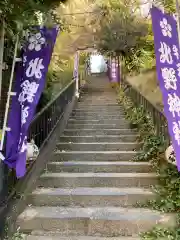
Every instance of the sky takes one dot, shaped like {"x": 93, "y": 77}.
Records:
{"x": 145, "y": 8}
{"x": 97, "y": 63}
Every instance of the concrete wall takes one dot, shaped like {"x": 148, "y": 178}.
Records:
{"x": 147, "y": 84}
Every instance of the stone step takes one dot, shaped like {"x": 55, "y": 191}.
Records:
{"x": 99, "y": 114}
{"x": 105, "y": 98}
{"x": 111, "y": 167}
{"x": 112, "y": 131}
{"x": 70, "y": 180}
{"x": 60, "y": 237}
{"x": 98, "y": 146}
{"x": 103, "y": 105}
{"x": 100, "y": 138}
{"x": 60, "y": 156}
{"x": 114, "y": 105}
{"x": 98, "y": 111}
{"x": 99, "y": 94}
{"x": 82, "y": 105}
{"x": 100, "y": 121}
{"x": 98, "y": 117}
{"x": 97, "y": 126}
{"x": 101, "y": 221}
{"x": 98, "y": 100}
{"x": 87, "y": 102}
{"x": 90, "y": 197}
{"x": 115, "y": 108}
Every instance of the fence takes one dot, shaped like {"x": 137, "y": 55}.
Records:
{"x": 47, "y": 119}
{"x": 40, "y": 131}
{"x": 158, "y": 118}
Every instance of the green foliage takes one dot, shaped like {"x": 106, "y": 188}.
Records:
{"x": 153, "y": 145}
{"x": 168, "y": 189}
{"x": 56, "y": 80}
{"x": 143, "y": 57}
{"x": 18, "y": 16}
{"x": 151, "y": 148}
{"x": 159, "y": 233}
{"x": 168, "y": 192}
{"x": 18, "y": 12}
{"x": 139, "y": 60}
{"x": 120, "y": 29}
{"x": 18, "y": 236}
{"x": 83, "y": 57}
{"x": 169, "y": 5}
{"x": 126, "y": 33}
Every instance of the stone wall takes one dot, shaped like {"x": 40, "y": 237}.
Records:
{"x": 147, "y": 84}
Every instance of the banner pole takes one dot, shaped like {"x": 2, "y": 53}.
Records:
{"x": 1, "y": 53}
{"x": 178, "y": 19}
{"x": 9, "y": 93}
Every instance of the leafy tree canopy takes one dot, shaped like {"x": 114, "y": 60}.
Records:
{"x": 18, "y": 12}
{"x": 121, "y": 29}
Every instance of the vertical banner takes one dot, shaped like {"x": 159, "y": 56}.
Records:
{"x": 29, "y": 84}
{"x": 76, "y": 72}
{"x": 114, "y": 70}
{"x": 118, "y": 69}
{"x": 109, "y": 69}
{"x": 168, "y": 71}
{"x": 76, "y": 65}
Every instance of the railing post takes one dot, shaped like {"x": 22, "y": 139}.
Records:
{"x": 76, "y": 73}
{"x": 77, "y": 86}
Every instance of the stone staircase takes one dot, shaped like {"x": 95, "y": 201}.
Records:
{"x": 90, "y": 187}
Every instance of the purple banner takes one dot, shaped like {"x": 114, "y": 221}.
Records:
{"x": 118, "y": 69}
{"x": 108, "y": 69}
{"x": 114, "y": 70}
{"x": 29, "y": 84}
{"x": 76, "y": 65}
{"x": 168, "y": 71}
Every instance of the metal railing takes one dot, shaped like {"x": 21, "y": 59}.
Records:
{"x": 40, "y": 131}
{"x": 46, "y": 120}
{"x": 158, "y": 118}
